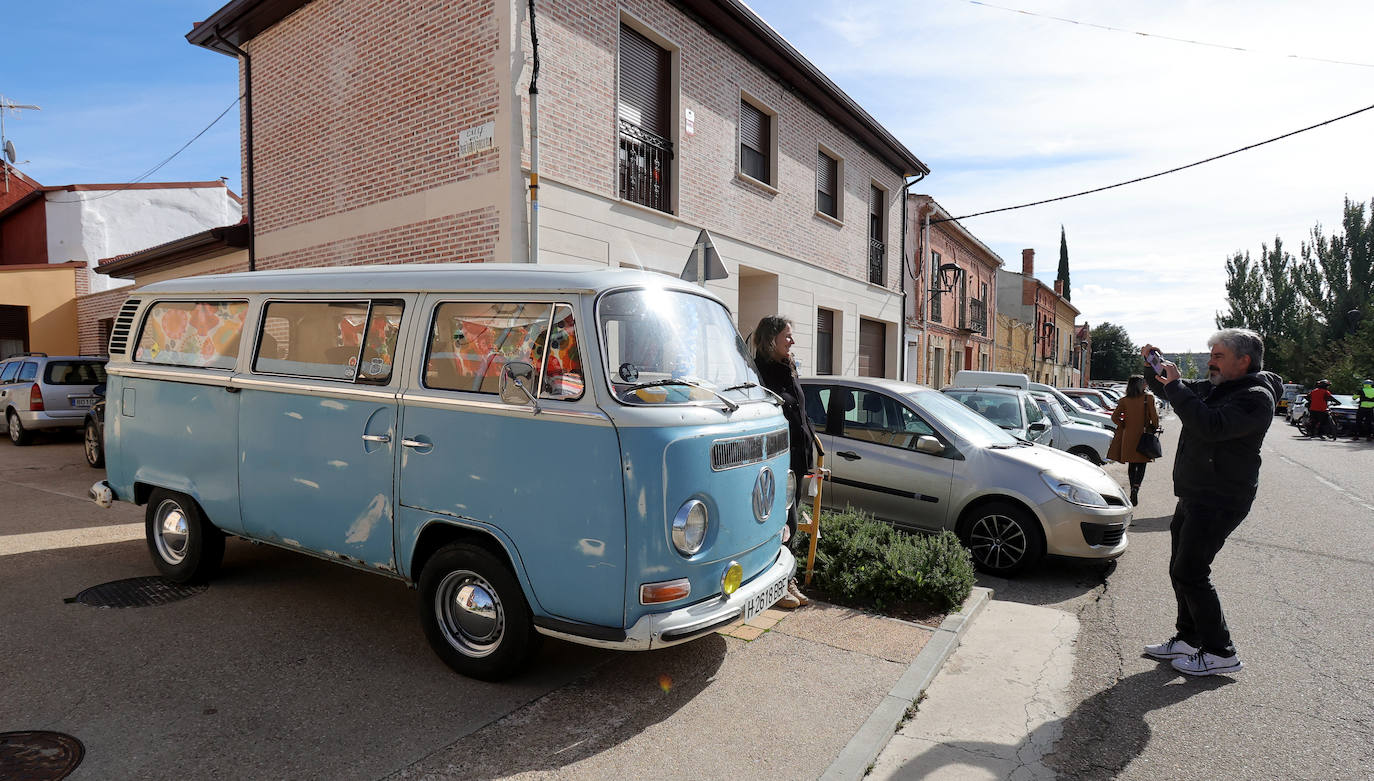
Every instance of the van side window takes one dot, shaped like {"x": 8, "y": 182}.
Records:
{"x": 354, "y": 341}
{"x": 471, "y": 342}
{"x": 199, "y": 334}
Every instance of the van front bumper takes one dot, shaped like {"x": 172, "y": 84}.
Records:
{"x": 660, "y": 630}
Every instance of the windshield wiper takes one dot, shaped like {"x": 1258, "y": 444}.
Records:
{"x": 732, "y": 406}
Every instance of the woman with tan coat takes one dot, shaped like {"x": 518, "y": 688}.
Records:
{"x": 1133, "y": 416}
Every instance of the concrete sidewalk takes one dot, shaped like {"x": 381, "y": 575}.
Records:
{"x": 812, "y": 693}
{"x": 998, "y": 704}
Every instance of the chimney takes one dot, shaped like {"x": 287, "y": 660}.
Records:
{"x": 1028, "y": 262}
{"x": 1059, "y": 288}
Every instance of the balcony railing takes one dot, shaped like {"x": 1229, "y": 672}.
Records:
{"x": 877, "y": 261}
{"x": 645, "y": 165}
{"x": 977, "y": 316}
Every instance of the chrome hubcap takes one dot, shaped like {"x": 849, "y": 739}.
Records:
{"x": 470, "y": 613}
{"x": 997, "y": 541}
{"x": 171, "y": 532}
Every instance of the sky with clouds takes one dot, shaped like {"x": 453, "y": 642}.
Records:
{"x": 1005, "y": 108}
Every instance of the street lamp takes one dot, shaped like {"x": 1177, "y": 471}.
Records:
{"x": 945, "y": 278}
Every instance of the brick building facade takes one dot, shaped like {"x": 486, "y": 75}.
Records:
{"x": 400, "y": 132}
{"x": 951, "y": 313}
{"x": 1028, "y": 300}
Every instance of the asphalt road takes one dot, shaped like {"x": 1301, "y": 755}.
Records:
{"x": 286, "y": 667}
{"x": 1297, "y": 583}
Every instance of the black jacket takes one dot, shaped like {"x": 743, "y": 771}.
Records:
{"x": 782, "y": 380}
{"x": 1223, "y": 426}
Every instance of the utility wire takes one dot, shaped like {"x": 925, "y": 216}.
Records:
{"x": 1161, "y": 173}
{"x": 159, "y": 166}
{"x": 1169, "y": 38}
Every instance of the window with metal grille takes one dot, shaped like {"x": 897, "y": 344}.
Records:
{"x": 825, "y": 341}
{"x": 645, "y": 151}
{"x": 935, "y": 312}
{"x": 755, "y": 135}
{"x": 877, "y": 248}
{"x": 827, "y": 184}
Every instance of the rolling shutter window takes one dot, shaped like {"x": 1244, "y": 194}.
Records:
{"x": 827, "y": 172}
{"x": 825, "y": 341}
{"x": 753, "y": 141}
{"x": 644, "y": 73}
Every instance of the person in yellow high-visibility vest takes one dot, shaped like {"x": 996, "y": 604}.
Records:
{"x": 1364, "y": 416}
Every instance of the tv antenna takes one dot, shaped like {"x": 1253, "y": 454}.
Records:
{"x": 7, "y": 105}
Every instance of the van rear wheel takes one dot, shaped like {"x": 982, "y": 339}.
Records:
{"x": 1004, "y": 539}
{"x": 185, "y": 546}
{"x": 475, "y": 614}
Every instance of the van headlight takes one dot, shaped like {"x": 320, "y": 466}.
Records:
{"x": 1072, "y": 491}
{"x": 791, "y": 488}
{"x": 689, "y": 527}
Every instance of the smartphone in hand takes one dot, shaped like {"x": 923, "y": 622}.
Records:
{"x": 1156, "y": 361}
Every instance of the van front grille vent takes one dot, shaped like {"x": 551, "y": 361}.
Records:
{"x": 742, "y": 451}
{"x": 123, "y": 324}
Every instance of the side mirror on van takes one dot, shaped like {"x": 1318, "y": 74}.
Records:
{"x": 1038, "y": 427}
{"x": 516, "y": 378}
{"x": 929, "y": 445}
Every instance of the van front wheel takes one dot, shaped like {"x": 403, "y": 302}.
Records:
{"x": 474, "y": 613}
{"x": 185, "y": 546}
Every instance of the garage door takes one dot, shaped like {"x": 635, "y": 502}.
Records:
{"x": 872, "y": 348}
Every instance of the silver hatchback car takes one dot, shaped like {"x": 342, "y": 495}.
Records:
{"x": 40, "y": 392}
{"x": 917, "y": 458}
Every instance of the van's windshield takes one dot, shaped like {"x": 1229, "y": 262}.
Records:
{"x": 673, "y": 347}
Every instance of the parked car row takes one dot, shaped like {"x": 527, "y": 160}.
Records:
{"x": 920, "y": 459}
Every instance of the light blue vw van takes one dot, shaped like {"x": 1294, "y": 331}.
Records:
{"x": 539, "y": 450}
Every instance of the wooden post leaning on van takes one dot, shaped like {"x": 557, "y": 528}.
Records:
{"x": 813, "y": 529}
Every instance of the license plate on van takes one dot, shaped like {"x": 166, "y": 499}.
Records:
{"x": 764, "y": 599}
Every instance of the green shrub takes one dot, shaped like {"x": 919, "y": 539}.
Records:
{"x": 862, "y": 559}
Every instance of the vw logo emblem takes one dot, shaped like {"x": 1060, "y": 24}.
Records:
{"x": 765, "y": 487}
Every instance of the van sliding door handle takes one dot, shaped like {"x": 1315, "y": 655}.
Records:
{"x": 383, "y": 438}
{"x": 414, "y": 443}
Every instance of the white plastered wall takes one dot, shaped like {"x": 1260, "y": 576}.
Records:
{"x": 88, "y": 225}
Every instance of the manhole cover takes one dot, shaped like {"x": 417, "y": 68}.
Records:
{"x": 136, "y": 592}
{"x": 38, "y": 756}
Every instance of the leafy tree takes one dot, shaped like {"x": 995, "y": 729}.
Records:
{"x": 1114, "y": 355}
{"x": 1064, "y": 262}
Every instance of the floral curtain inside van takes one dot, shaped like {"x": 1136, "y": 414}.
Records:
{"x": 200, "y": 334}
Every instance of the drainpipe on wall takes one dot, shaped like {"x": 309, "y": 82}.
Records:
{"x": 248, "y": 112}
{"x": 534, "y": 142}
{"x": 901, "y": 354}
{"x": 925, "y": 298}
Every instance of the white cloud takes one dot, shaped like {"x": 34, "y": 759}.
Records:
{"x": 1008, "y": 109}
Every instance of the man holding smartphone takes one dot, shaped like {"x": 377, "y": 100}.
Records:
{"x": 1223, "y": 420}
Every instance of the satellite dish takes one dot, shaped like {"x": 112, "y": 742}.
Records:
{"x": 9, "y": 151}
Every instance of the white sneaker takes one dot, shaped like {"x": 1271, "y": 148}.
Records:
{"x": 1171, "y": 649}
{"x": 1203, "y": 663}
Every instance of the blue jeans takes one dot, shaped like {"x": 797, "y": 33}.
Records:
{"x": 1196, "y": 535}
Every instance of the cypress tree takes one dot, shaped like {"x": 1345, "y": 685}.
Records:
{"x": 1064, "y": 263}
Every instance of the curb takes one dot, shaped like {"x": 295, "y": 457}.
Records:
{"x": 863, "y": 749}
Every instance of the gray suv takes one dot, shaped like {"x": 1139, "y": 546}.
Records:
{"x": 39, "y": 392}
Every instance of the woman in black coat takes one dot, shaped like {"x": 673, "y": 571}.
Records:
{"x": 778, "y": 371}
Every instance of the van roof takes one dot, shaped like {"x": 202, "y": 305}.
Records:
{"x": 420, "y": 277}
